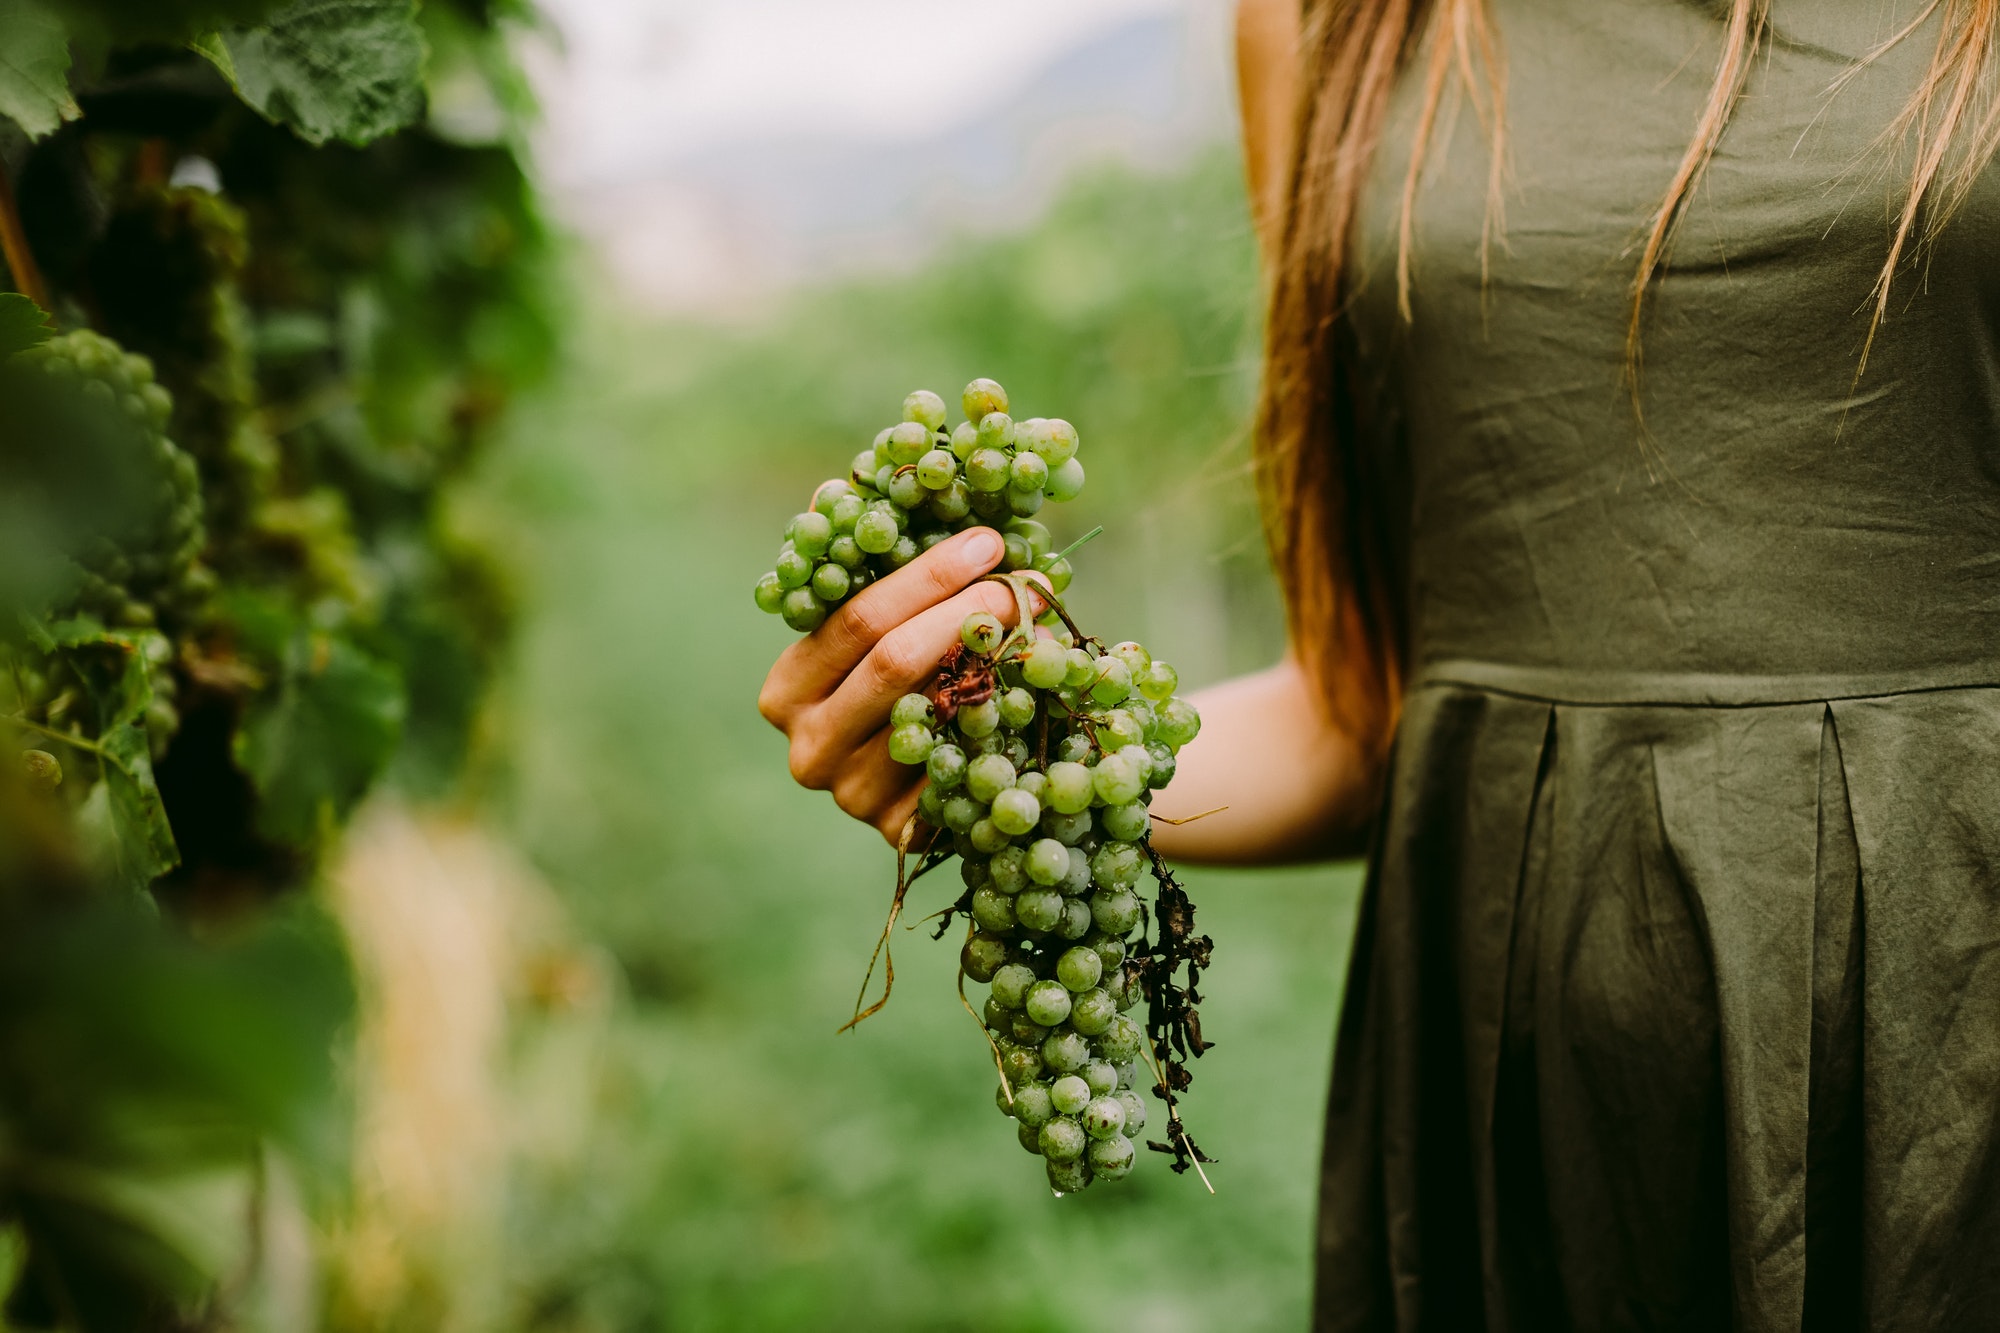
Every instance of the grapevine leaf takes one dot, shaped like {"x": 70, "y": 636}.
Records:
{"x": 23, "y": 324}
{"x": 314, "y": 743}
{"x": 34, "y": 67}
{"x": 138, "y": 841}
{"x": 330, "y": 69}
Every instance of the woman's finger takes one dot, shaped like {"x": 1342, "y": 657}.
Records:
{"x": 870, "y": 783}
{"x": 812, "y": 668}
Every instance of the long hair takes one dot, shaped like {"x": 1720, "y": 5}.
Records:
{"x": 1330, "y": 540}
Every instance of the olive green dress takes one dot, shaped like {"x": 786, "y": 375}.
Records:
{"x": 1676, "y": 999}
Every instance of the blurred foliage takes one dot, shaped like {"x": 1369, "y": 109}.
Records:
{"x": 743, "y": 1168}
{"x": 291, "y": 311}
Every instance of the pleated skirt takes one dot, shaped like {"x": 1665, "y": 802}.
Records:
{"x": 1673, "y": 1015}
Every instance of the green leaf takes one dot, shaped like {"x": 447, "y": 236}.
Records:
{"x": 23, "y": 324}
{"x": 314, "y": 743}
{"x": 34, "y": 67}
{"x": 329, "y": 69}
{"x": 138, "y": 842}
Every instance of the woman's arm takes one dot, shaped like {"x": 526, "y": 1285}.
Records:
{"x": 1295, "y": 786}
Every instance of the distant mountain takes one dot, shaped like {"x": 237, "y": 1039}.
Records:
{"x": 720, "y": 230}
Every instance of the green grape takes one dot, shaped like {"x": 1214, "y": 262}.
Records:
{"x": 1133, "y": 655}
{"x": 1065, "y": 1051}
{"x": 901, "y": 553}
{"x": 1179, "y": 723}
{"x": 990, "y": 506}
{"x": 1010, "y": 984}
{"x": 1017, "y": 751}
{"x": 1111, "y": 1159}
{"x": 1066, "y": 481}
{"x": 1114, "y": 911}
{"x": 1069, "y": 1094}
{"x": 1124, "y": 990}
{"x": 770, "y": 593}
{"x": 987, "y": 471}
{"x": 864, "y": 467}
{"x": 1027, "y": 472}
{"x": 1111, "y": 950}
{"x": 1062, "y": 1139}
{"x": 1057, "y": 442}
{"x": 1039, "y": 908}
{"x": 810, "y": 534}
{"x": 41, "y": 771}
{"x": 846, "y": 553}
{"x": 830, "y": 581}
{"x": 1111, "y": 680}
{"x": 1023, "y": 503}
{"x": 1033, "y": 1105}
{"x": 908, "y": 441}
{"x": 875, "y": 532}
{"x": 930, "y": 805}
{"x": 1069, "y": 1177}
{"x": 1017, "y": 708}
{"x": 982, "y": 956}
{"x": 1127, "y": 823}
{"x": 1076, "y": 922}
{"x": 1045, "y": 664}
{"x": 1071, "y": 787}
{"x": 1103, "y": 1118}
{"x": 1030, "y": 1138}
{"x": 1093, "y": 1011}
{"x": 1014, "y": 811}
{"x": 793, "y": 569}
{"x": 988, "y": 776}
{"x": 947, "y": 765}
{"x": 1164, "y": 764}
{"x": 1058, "y": 572}
{"x": 964, "y": 439}
{"x": 1158, "y": 681}
{"x": 936, "y": 469}
{"x": 993, "y": 910}
{"x": 1037, "y": 535}
{"x": 845, "y": 513}
{"x": 911, "y": 744}
{"x": 1102, "y": 1076}
{"x": 1118, "y": 779}
{"x": 1079, "y": 968}
{"x": 1082, "y": 669}
{"x": 1021, "y": 1065}
{"x": 1117, "y": 729}
{"x": 995, "y": 1016}
{"x": 1135, "y": 1111}
{"x": 883, "y": 476}
{"x": 952, "y": 503}
{"x": 1007, "y": 873}
{"x": 1031, "y": 782}
{"x": 1047, "y": 1002}
{"x": 1122, "y": 1041}
{"x": 912, "y": 710}
{"x": 924, "y": 408}
{"x": 1117, "y": 865}
{"x": 982, "y": 396}
{"x": 1047, "y": 861}
{"x": 1027, "y": 1032}
{"x": 960, "y": 812}
{"x": 981, "y": 632}
{"x": 803, "y": 610}
{"x": 1067, "y": 829}
{"x": 1018, "y": 556}
{"x": 905, "y": 491}
{"x": 986, "y": 837}
{"x": 995, "y": 430}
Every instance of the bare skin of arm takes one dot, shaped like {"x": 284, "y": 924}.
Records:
{"x": 1295, "y": 786}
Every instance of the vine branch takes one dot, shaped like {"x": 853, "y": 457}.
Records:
{"x": 14, "y": 248}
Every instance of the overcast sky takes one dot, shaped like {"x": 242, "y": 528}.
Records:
{"x": 644, "y": 81}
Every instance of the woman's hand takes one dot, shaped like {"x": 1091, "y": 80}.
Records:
{"x": 830, "y": 692}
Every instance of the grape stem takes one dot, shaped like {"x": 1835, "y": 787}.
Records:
{"x": 999, "y": 1065}
{"x": 77, "y": 741}
{"x": 1097, "y": 531}
{"x": 1189, "y": 819}
{"x": 883, "y": 950}
{"x": 14, "y": 248}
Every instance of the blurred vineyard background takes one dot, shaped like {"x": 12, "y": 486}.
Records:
{"x": 575, "y": 960}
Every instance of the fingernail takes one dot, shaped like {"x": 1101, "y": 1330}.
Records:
{"x": 985, "y": 547}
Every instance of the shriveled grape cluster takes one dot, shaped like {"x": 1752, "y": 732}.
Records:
{"x": 1042, "y": 752}
{"x": 918, "y": 485}
{"x": 1042, "y": 748}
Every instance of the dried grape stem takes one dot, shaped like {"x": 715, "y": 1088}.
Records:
{"x": 14, "y": 247}
{"x": 882, "y": 945}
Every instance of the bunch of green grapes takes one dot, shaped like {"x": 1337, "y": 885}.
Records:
{"x": 86, "y": 437}
{"x": 1042, "y": 753}
{"x": 915, "y": 487}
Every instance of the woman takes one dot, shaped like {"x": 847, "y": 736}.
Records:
{"x": 1642, "y": 549}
